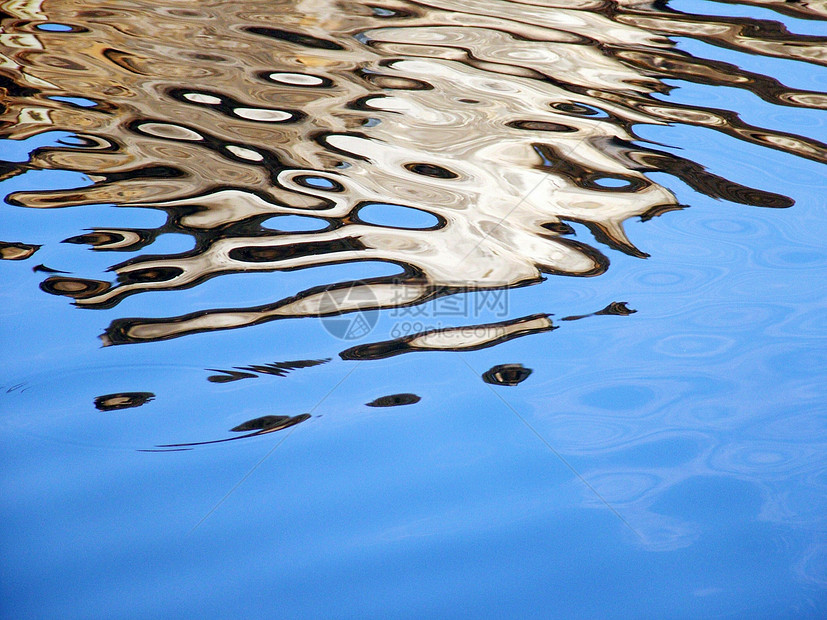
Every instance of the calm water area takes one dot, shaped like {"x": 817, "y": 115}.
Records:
{"x": 413, "y": 309}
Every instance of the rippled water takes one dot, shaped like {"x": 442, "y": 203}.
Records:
{"x": 411, "y": 309}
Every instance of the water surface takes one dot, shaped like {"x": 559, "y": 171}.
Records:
{"x": 410, "y": 309}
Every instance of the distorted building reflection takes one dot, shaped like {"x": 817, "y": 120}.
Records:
{"x": 458, "y": 122}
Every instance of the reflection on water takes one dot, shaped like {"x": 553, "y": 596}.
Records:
{"x": 258, "y": 426}
{"x": 122, "y": 400}
{"x": 394, "y": 400}
{"x": 277, "y": 369}
{"x": 16, "y": 251}
{"x": 449, "y": 150}
{"x": 505, "y": 126}
{"x": 506, "y": 374}
{"x": 452, "y": 338}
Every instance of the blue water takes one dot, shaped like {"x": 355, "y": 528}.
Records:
{"x": 669, "y": 463}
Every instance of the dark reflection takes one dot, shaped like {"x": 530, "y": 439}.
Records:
{"x": 259, "y": 426}
{"x": 269, "y": 423}
{"x": 394, "y": 400}
{"x": 616, "y": 308}
{"x": 541, "y": 126}
{"x": 506, "y": 374}
{"x": 78, "y": 288}
{"x": 44, "y": 269}
{"x": 453, "y": 111}
{"x": 431, "y": 170}
{"x": 122, "y": 400}
{"x": 298, "y": 38}
{"x": 114, "y": 240}
{"x": 468, "y": 338}
{"x": 160, "y": 274}
{"x": 294, "y": 250}
{"x": 578, "y": 109}
{"x": 703, "y": 181}
{"x": 276, "y": 369}
{"x": 16, "y": 251}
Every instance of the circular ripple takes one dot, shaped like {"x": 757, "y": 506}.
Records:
{"x": 623, "y": 486}
{"x": 694, "y": 345}
{"x": 575, "y": 434}
{"x": 618, "y": 397}
{"x": 766, "y": 458}
{"x": 738, "y": 317}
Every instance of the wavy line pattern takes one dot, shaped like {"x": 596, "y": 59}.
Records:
{"x": 507, "y": 122}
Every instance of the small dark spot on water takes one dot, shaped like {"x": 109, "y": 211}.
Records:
{"x": 394, "y": 400}
{"x": 506, "y": 374}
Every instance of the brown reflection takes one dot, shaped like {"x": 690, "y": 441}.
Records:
{"x": 122, "y": 400}
{"x": 506, "y": 374}
{"x": 509, "y": 122}
{"x": 113, "y": 240}
{"x": 77, "y": 288}
{"x": 16, "y": 251}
